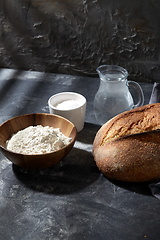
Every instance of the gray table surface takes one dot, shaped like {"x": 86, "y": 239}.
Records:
{"x": 71, "y": 200}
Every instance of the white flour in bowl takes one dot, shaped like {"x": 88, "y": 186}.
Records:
{"x": 37, "y": 140}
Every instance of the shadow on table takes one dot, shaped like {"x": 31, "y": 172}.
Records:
{"x": 75, "y": 172}
{"x": 137, "y": 187}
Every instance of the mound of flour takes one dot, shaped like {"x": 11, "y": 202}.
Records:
{"x": 37, "y": 140}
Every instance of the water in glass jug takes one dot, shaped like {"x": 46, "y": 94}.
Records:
{"x": 113, "y": 96}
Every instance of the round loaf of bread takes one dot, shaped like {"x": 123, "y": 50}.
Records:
{"x": 127, "y": 147}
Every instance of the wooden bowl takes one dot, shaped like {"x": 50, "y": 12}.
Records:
{"x": 36, "y": 161}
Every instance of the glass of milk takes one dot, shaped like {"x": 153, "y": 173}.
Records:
{"x": 69, "y": 105}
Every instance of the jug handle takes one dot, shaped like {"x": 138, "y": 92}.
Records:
{"x": 139, "y": 90}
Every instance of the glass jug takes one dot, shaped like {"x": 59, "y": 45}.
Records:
{"x": 113, "y": 96}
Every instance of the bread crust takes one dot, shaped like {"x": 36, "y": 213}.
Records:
{"x": 127, "y": 147}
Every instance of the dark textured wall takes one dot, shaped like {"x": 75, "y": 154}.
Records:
{"x": 76, "y": 36}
